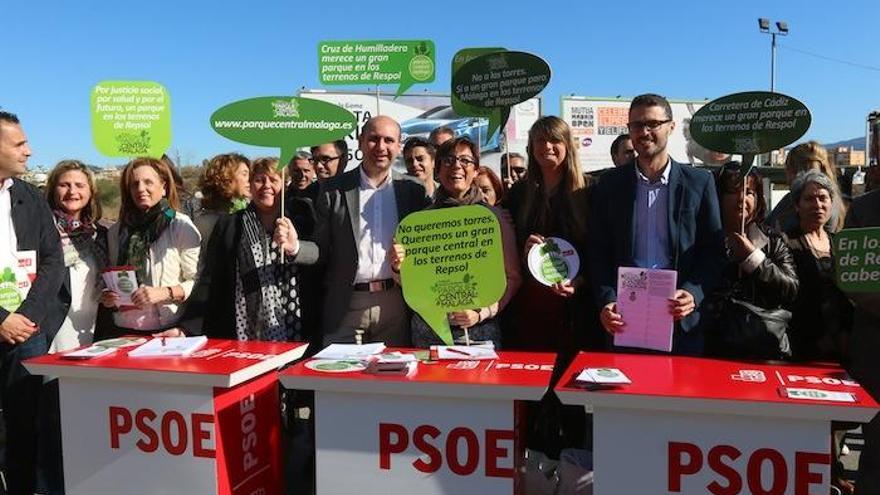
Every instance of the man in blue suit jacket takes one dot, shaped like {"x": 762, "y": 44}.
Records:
{"x": 656, "y": 213}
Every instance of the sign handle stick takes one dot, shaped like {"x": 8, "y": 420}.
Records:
{"x": 283, "y": 187}
{"x": 507, "y": 155}
{"x": 467, "y": 336}
{"x": 378, "y": 112}
{"x": 747, "y": 161}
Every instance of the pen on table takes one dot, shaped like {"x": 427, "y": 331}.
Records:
{"x": 456, "y": 351}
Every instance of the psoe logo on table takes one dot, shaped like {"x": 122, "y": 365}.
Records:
{"x": 729, "y": 470}
{"x": 755, "y": 376}
{"x": 460, "y": 449}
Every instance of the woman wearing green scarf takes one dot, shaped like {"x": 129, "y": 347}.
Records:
{"x": 162, "y": 246}
{"x": 225, "y": 188}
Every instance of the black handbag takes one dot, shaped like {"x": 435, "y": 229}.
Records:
{"x": 747, "y": 331}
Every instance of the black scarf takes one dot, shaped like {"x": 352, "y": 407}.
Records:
{"x": 139, "y": 231}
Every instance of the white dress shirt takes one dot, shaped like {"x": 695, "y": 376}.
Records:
{"x": 377, "y": 218}
{"x": 8, "y": 239}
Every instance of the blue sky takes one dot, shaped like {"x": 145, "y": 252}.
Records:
{"x": 209, "y": 53}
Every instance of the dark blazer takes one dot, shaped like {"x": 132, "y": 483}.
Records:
{"x": 35, "y": 230}
{"x": 336, "y": 232}
{"x": 210, "y": 308}
{"x": 695, "y": 236}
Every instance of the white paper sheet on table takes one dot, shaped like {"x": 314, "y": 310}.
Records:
{"x": 350, "y": 351}
{"x": 643, "y": 298}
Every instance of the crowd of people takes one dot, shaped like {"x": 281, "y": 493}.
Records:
{"x": 322, "y": 265}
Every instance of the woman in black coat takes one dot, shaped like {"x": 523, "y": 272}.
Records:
{"x": 245, "y": 291}
{"x": 748, "y": 313}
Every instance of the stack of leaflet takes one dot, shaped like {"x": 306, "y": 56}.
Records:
{"x": 170, "y": 347}
{"x": 481, "y": 351}
{"x": 393, "y": 363}
{"x": 602, "y": 376}
{"x": 350, "y": 351}
{"x": 103, "y": 348}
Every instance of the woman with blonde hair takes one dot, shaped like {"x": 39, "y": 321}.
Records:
{"x": 806, "y": 156}
{"x": 551, "y": 201}
{"x": 160, "y": 243}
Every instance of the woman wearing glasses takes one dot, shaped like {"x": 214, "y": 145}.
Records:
{"x": 458, "y": 161}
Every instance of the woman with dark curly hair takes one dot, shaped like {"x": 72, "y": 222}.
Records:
{"x": 225, "y": 189}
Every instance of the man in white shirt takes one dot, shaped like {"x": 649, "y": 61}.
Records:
{"x": 357, "y": 216}
{"x": 27, "y": 232}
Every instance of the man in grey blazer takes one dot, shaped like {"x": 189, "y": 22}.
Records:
{"x": 864, "y": 349}
{"x": 357, "y": 215}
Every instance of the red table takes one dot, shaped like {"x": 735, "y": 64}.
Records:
{"x": 693, "y": 425}
{"x": 204, "y": 424}
{"x": 449, "y": 428}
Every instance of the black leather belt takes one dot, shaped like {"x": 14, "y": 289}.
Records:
{"x": 374, "y": 286}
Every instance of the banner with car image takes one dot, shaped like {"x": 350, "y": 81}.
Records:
{"x": 420, "y": 113}
{"x": 596, "y": 122}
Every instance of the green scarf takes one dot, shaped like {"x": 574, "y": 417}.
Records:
{"x": 238, "y": 204}
{"x": 140, "y": 229}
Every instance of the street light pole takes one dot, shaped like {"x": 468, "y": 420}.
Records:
{"x": 781, "y": 30}
{"x": 773, "y": 63}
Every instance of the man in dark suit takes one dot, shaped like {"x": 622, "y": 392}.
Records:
{"x": 27, "y": 231}
{"x": 357, "y": 216}
{"x": 656, "y": 213}
{"x": 864, "y": 346}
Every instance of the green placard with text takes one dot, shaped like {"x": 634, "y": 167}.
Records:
{"x": 497, "y": 81}
{"x": 857, "y": 259}
{"x": 285, "y": 122}
{"x": 401, "y": 62}
{"x": 131, "y": 118}
{"x": 454, "y": 261}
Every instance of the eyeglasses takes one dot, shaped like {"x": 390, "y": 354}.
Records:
{"x": 517, "y": 170}
{"x": 450, "y": 161}
{"x": 651, "y": 125}
{"x": 323, "y": 160}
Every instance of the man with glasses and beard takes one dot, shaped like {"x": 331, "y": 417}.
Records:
{"x": 656, "y": 213}
{"x": 330, "y": 159}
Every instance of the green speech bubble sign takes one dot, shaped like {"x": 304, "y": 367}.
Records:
{"x": 401, "y": 62}
{"x": 131, "y": 118}
{"x": 494, "y": 115}
{"x": 750, "y": 123}
{"x": 500, "y": 81}
{"x": 454, "y": 261}
{"x": 286, "y": 122}
{"x": 857, "y": 259}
